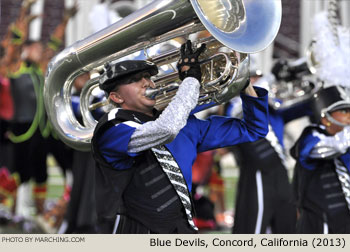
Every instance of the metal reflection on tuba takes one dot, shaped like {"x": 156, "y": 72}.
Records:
{"x": 290, "y": 83}
{"x": 242, "y": 26}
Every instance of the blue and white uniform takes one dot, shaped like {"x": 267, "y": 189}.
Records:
{"x": 120, "y": 144}
{"x": 264, "y": 198}
{"x": 322, "y": 184}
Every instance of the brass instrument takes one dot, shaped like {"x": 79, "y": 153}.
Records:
{"x": 242, "y": 26}
{"x": 295, "y": 84}
{"x": 310, "y": 58}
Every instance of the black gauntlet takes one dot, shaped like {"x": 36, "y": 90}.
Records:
{"x": 190, "y": 58}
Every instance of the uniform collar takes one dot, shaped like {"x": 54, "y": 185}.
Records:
{"x": 130, "y": 115}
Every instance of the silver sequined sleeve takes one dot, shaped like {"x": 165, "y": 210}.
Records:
{"x": 331, "y": 146}
{"x": 166, "y": 127}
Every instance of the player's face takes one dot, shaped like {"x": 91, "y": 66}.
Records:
{"x": 131, "y": 96}
{"x": 342, "y": 116}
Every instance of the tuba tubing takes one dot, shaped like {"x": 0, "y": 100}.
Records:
{"x": 157, "y": 22}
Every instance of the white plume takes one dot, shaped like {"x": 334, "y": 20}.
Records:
{"x": 333, "y": 58}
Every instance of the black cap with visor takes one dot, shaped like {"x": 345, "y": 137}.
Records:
{"x": 330, "y": 99}
{"x": 121, "y": 72}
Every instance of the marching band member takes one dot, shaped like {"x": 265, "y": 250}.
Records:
{"x": 264, "y": 201}
{"x": 12, "y": 45}
{"x": 144, "y": 157}
{"x": 322, "y": 172}
{"x": 29, "y": 127}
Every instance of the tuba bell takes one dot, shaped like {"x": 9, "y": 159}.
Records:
{"x": 237, "y": 27}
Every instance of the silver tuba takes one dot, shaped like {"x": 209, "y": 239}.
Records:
{"x": 242, "y": 26}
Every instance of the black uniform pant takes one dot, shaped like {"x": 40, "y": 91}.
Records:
{"x": 264, "y": 199}
{"x": 311, "y": 223}
{"x": 61, "y": 152}
{"x": 29, "y": 157}
{"x": 5, "y": 150}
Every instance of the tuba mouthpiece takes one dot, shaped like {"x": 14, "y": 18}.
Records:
{"x": 151, "y": 93}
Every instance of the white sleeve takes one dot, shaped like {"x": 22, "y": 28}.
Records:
{"x": 331, "y": 146}
{"x": 174, "y": 117}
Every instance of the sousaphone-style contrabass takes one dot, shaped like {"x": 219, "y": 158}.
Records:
{"x": 237, "y": 28}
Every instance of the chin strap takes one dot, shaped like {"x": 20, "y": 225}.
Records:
{"x": 334, "y": 121}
